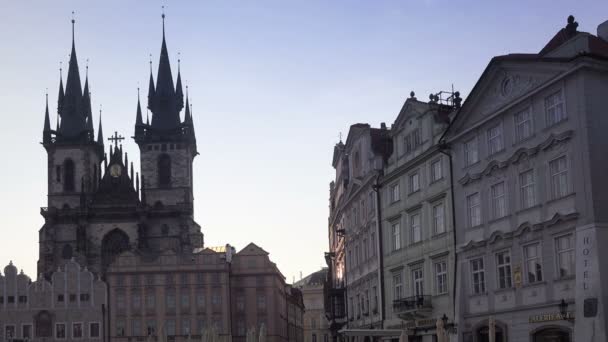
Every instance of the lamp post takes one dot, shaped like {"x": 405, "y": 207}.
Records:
{"x": 563, "y": 310}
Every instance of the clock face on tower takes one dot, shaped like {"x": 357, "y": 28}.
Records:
{"x": 115, "y": 170}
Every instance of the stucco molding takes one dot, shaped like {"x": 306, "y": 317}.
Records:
{"x": 517, "y": 156}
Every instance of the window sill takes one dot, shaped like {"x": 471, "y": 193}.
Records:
{"x": 499, "y": 219}
{"x": 523, "y": 140}
{"x": 475, "y": 227}
{"x": 478, "y": 295}
{"x": 433, "y": 182}
{"x": 555, "y": 124}
{"x": 439, "y": 295}
{"x": 439, "y": 235}
{"x": 566, "y": 278}
{"x": 571, "y": 194}
{"x": 534, "y": 284}
{"x": 494, "y": 154}
{"x": 521, "y": 211}
{"x": 506, "y": 289}
{"x": 414, "y": 244}
{"x": 467, "y": 166}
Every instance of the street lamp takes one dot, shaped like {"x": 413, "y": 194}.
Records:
{"x": 563, "y": 310}
{"x": 449, "y": 327}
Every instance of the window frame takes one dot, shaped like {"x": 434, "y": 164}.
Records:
{"x": 56, "y": 331}
{"x": 441, "y": 276}
{"x": 434, "y": 170}
{"x": 435, "y": 218}
{"x": 476, "y": 207}
{"x": 82, "y": 334}
{"x": 499, "y": 138}
{"x": 552, "y": 177}
{"x": 395, "y": 192}
{"x": 414, "y": 186}
{"x": 524, "y": 197}
{"x": 415, "y": 228}
{"x": 478, "y": 287}
{"x": 417, "y": 282}
{"x": 98, "y": 330}
{"x": 497, "y": 199}
{"x": 507, "y": 266}
{"x": 559, "y": 252}
{"x": 554, "y": 121}
{"x": 539, "y": 261}
{"x": 518, "y": 123}
{"x": 396, "y": 236}
{"x": 397, "y": 286}
{"x": 469, "y": 152}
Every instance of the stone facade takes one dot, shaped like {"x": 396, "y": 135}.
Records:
{"x": 418, "y": 234}
{"x": 69, "y": 307}
{"x": 354, "y": 221}
{"x": 181, "y": 296}
{"x": 316, "y": 325}
{"x": 528, "y": 162}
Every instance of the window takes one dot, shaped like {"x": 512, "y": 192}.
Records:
{"x": 60, "y": 298}
{"x": 373, "y": 244}
{"x": 564, "y": 247}
{"x": 397, "y": 286}
{"x": 170, "y": 324}
{"x": 375, "y": 302}
{"x": 559, "y": 177}
{"x": 527, "y": 193}
{"x": 371, "y": 202}
{"x": 314, "y": 337}
{"x": 184, "y": 278}
{"x": 136, "y": 299}
{"x": 416, "y": 137}
{"x": 60, "y": 330}
{"x": 523, "y": 125}
{"x": 120, "y": 300}
{"x": 365, "y": 250}
{"x": 164, "y": 170}
{"x": 84, "y": 297}
{"x": 68, "y": 176}
{"x": 151, "y": 327}
{"x": 396, "y": 232}
{"x": 26, "y": 331}
{"x": 185, "y": 326}
{"x": 441, "y": 277}
{"x": 200, "y": 299}
{"x": 436, "y": 170}
{"x": 395, "y": 195}
{"x": 495, "y": 139}
{"x": 474, "y": 209}
{"x": 471, "y": 154}
{"x": 407, "y": 142}
{"x": 438, "y": 219}
{"x": 499, "y": 202}
{"x": 414, "y": 182}
{"x": 136, "y": 327}
{"x": 478, "y": 275}
{"x": 358, "y": 306}
{"x": 534, "y": 268}
{"x": 367, "y": 301}
{"x": 554, "y": 108}
{"x": 416, "y": 230}
{"x": 77, "y": 330}
{"x": 94, "y": 330}
{"x": 418, "y": 282}
{"x": 216, "y": 298}
{"x": 170, "y": 300}
{"x": 150, "y": 300}
{"x": 9, "y": 332}
{"x": 22, "y": 299}
{"x": 261, "y": 302}
{"x": 503, "y": 268}
{"x": 120, "y": 327}
{"x": 185, "y": 298}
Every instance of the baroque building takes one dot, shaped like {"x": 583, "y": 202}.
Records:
{"x": 418, "y": 233}
{"x": 354, "y": 281}
{"x": 316, "y": 325}
{"x": 528, "y": 151}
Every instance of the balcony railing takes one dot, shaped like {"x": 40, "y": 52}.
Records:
{"x": 412, "y": 307}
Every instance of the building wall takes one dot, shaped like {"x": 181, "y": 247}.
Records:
{"x": 74, "y": 299}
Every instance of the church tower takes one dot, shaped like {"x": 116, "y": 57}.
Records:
{"x": 73, "y": 159}
{"x": 167, "y": 144}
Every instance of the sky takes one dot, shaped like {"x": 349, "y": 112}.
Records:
{"x": 272, "y": 83}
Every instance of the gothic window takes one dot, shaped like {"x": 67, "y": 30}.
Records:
{"x": 66, "y": 253}
{"x": 164, "y": 170}
{"x": 114, "y": 243}
{"x": 44, "y": 324}
{"x": 68, "y": 175}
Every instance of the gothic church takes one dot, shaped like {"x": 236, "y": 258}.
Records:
{"x": 98, "y": 207}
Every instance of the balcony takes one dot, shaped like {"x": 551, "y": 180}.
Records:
{"x": 413, "y": 307}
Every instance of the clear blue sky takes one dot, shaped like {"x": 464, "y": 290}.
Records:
{"x": 273, "y": 83}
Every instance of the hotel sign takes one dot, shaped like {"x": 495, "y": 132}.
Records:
{"x": 551, "y": 317}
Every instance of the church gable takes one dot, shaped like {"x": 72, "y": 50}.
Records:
{"x": 505, "y": 80}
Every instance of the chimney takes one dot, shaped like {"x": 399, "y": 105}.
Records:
{"x": 602, "y": 31}
{"x": 382, "y": 125}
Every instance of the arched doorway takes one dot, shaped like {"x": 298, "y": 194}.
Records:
{"x": 114, "y": 243}
{"x": 481, "y": 332}
{"x": 43, "y": 323}
{"x": 551, "y": 334}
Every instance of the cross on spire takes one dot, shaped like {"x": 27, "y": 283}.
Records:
{"x": 116, "y": 138}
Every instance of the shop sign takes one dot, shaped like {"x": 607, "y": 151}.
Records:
{"x": 551, "y": 317}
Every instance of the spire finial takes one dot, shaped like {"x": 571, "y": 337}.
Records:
{"x": 163, "y": 16}
{"x": 87, "y": 68}
{"x": 179, "y": 60}
{"x": 73, "y": 22}
{"x": 60, "y": 70}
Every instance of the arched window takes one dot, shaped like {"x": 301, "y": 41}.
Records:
{"x": 114, "y": 243}
{"x": 551, "y": 334}
{"x": 66, "y": 253}
{"x": 68, "y": 175}
{"x": 43, "y": 322}
{"x": 164, "y": 170}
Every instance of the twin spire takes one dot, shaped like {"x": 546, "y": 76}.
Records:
{"x": 73, "y": 105}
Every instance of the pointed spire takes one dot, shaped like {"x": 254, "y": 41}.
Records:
{"x": 46, "y": 132}
{"x": 187, "y": 118}
{"x": 61, "y": 96}
{"x": 138, "y": 119}
{"x": 100, "y": 130}
{"x": 126, "y": 158}
{"x": 73, "y": 121}
{"x": 86, "y": 103}
{"x": 179, "y": 94}
{"x": 132, "y": 174}
{"x": 147, "y": 118}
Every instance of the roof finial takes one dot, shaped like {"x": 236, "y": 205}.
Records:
{"x": 87, "y": 68}
{"x": 73, "y": 22}
{"x": 163, "y": 16}
{"x": 179, "y": 60}
{"x": 150, "y": 63}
